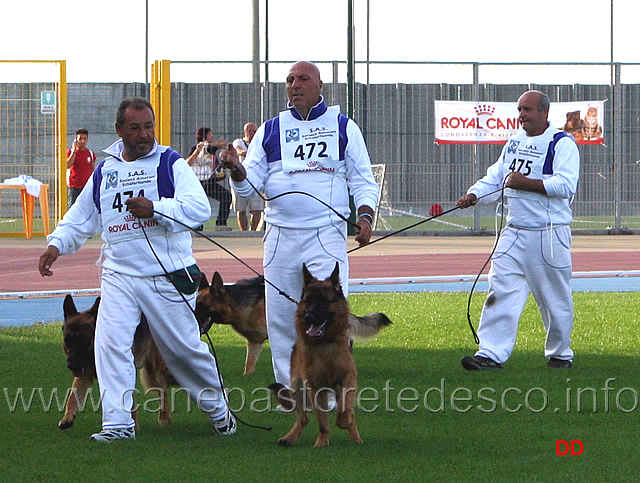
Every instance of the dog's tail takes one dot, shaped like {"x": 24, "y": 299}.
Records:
{"x": 368, "y": 325}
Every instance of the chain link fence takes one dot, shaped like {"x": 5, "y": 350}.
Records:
{"x": 398, "y": 124}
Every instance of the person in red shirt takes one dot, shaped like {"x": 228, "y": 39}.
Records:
{"x": 80, "y": 161}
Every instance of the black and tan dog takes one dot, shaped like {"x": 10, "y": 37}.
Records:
{"x": 78, "y": 333}
{"x": 241, "y": 305}
{"x": 322, "y": 361}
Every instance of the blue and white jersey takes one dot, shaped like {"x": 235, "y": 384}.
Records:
{"x": 324, "y": 155}
{"x": 163, "y": 177}
{"x": 552, "y": 157}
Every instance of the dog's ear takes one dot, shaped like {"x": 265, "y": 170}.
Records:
{"x": 217, "y": 283}
{"x": 204, "y": 283}
{"x": 94, "y": 308}
{"x": 335, "y": 275}
{"x": 306, "y": 274}
{"x": 68, "y": 306}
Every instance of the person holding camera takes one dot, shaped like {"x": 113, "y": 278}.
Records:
{"x": 80, "y": 162}
{"x": 202, "y": 158}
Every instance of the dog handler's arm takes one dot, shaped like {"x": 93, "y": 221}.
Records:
{"x": 47, "y": 258}
{"x": 365, "y": 220}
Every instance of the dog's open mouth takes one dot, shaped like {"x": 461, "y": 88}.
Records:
{"x": 317, "y": 331}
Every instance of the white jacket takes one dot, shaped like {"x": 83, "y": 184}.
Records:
{"x": 181, "y": 198}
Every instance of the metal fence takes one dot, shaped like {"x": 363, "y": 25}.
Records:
{"x": 398, "y": 124}
{"x": 30, "y": 143}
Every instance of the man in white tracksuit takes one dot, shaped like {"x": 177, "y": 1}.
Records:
{"x": 541, "y": 167}
{"x": 309, "y": 148}
{"x": 138, "y": 177}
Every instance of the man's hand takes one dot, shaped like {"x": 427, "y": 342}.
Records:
{"x": 229, "y": 157}
{"x": 140, "y": 207}
{"x": 363, "y": 232}
{"x": 519, "y": 181}
{"x": 467, "y": 200}
{"x": 199, "y": 147}
{"x": 47, "y": 258}
{"x": 230, "y": 160}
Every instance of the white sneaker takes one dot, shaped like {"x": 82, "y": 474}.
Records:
{"x": 109, "y": 435}
{"x": 225, "y": 426}
{"x": 331, "y": 401}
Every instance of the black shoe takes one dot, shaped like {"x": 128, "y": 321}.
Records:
{"x": 559, "y": 363}
{"x": 478, "y": 363}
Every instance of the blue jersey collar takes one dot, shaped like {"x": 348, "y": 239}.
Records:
{"x": 314, "y": 113}
{"x": 115, "y": 150}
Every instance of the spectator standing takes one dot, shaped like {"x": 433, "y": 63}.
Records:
{"x": 80, "y": 162}
{"x": 202, "y": 158}
{"x": 253, "y": 204}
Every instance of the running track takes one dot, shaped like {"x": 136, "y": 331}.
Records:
{"x": 400, "y": 257}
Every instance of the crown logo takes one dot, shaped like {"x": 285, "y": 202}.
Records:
{"x": 484, "y": 109}
{"x": 129, "y": 218}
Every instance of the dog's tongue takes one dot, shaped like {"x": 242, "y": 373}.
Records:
{"x": 315, "y": 331}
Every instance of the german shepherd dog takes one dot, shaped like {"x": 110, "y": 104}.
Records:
{"x": 241, "y": 306}
{"x": 78, "y": 331}
{"x": 322, "y": 360}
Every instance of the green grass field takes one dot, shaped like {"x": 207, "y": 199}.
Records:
{"x": 434, "y": 421}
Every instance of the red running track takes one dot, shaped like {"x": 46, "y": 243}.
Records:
{"x": 19, "y": 266}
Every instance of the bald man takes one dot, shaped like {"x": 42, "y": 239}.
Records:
{"x": 309, "y": 148}
{"x": 539, "y": 168}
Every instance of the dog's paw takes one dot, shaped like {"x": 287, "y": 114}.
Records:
{"x": 321, "y": 442}
{"x": 286, "y": 442}
{"x": 66, "y": 423}
{"x": 163, "y": 420}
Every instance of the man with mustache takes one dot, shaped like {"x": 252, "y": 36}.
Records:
{"x": 138, "y": 180}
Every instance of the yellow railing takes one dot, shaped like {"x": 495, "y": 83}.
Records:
{"x": 161, "y": 100}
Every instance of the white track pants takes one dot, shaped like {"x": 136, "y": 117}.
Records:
{"x": 536, "y": 261}
{"x": 175, "y": 332}
{"x": 285, "y": 250}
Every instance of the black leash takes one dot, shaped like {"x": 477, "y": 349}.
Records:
{"x": 213, "y": 349}
{"x": 342, "y": 217}
{"x": 475, "y": 282}
{"x": 418, "y": 223}
{"x": 501, "y": 190}
{"x": 493, "y": 250}
{"x": 322, "y": 202}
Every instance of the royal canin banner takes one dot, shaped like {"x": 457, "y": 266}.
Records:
{"x": 462, "y": 122}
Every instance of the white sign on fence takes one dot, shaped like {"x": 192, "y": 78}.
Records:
{"x": 48, "y": 102}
